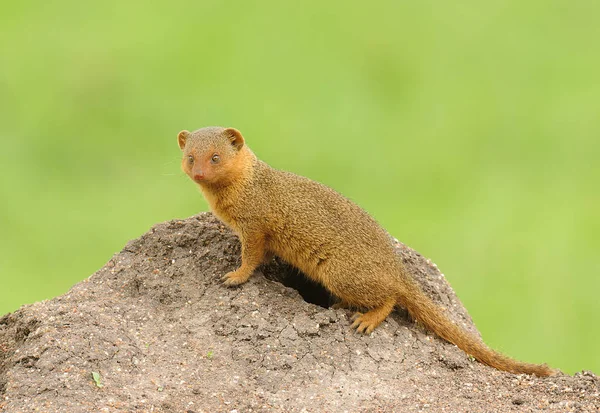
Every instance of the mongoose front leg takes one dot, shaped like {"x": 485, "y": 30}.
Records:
{"x": 253, "y": 253}
{"x": 366, "y": 323}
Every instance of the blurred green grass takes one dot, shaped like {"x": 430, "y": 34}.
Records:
{"x": 470, "y": 130}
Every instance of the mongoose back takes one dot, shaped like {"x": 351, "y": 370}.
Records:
{"x": 325, "y": 235}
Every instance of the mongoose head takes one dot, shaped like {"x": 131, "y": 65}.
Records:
{"x": 212, "y": 156}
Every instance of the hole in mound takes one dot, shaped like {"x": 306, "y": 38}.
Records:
{"x": 289, "y": 276}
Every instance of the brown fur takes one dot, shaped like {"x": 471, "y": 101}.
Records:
{"x": 328, "y": 237}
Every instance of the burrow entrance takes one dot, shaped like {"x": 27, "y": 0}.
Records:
{"x": 289, "y": 276}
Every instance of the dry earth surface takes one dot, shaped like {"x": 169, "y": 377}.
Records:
{"x": 161, "y": 334}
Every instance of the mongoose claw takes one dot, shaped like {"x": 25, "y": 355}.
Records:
{"x": 233, "y": 278}
{"x": 355, "y": 316}
{"x": 363, "y": 323}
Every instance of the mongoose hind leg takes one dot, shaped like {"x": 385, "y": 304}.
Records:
{"x": 366, "y": 323}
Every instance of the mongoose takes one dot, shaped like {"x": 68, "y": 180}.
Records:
{"x": 322, "y": 233}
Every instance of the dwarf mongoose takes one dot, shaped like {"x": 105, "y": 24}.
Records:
{"x": 317, "y": 230}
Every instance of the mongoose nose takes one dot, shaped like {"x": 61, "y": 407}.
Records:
{"x": 198, "y": 176}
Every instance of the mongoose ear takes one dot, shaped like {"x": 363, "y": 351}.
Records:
{"x": 182, "y": 138}
{"x": 235, "y": 137}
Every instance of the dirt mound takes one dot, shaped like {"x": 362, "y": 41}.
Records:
{"x": 154, "y": 331}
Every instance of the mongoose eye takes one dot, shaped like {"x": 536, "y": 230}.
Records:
{"x": 215, "y": 158}
{"x": 191, "y": 159}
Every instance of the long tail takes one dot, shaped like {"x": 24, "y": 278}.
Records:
{"x": 424, "y": 310}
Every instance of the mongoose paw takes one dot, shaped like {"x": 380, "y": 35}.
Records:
{"x": 364, "y": 323}
{"x": 233, "y": 278}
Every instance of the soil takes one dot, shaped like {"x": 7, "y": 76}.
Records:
{"x": 155, "y": 331}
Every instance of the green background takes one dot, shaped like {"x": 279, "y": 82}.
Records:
{"x": 470, "y": 130}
